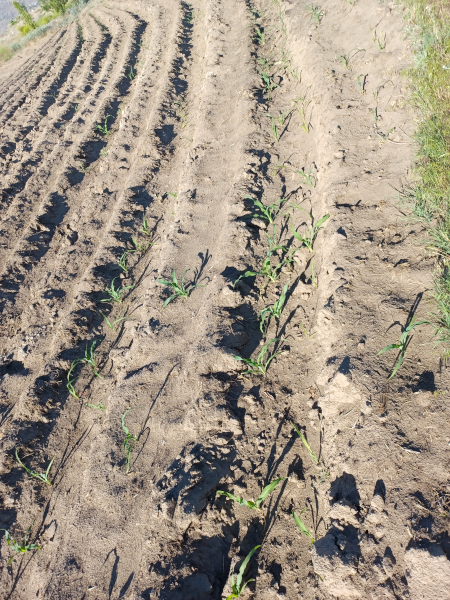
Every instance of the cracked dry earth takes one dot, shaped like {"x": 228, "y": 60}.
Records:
{"x": 189, "y": 140}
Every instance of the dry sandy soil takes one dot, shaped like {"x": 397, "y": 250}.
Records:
{"x": 189, "y": 139}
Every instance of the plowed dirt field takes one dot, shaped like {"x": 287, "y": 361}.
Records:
{"x": 135, "y": 142}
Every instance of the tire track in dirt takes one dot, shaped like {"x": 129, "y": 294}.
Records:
{"x": 61, "y": 177}
{"x": 37, "y": 141}
{"x": 18, "y": 83}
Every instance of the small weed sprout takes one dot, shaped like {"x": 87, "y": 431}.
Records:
{"x": 236, "y": 582}
{"x": 41, "y": 476}
{"x": 300, "y": 524}
{"x": 280, "y": 120}
{"x": 249, "y": 503}
{"x": 403, "y": 344}
{"x": 71, "y": 380}
{"x": 309, "y": 237}
{"x": 98, "y": 406}
{"x": 305, "y": 443}
{"x": 273, "y": 311}
{"x": 104, "y": 153}
{"x": 345, "y": 59}
{"x": 104, "y": 128}
{"x": 267, "y": 213}
{"x": 308, "y": 177}
{"x": 129, "y": 440}
{"x": 180, "y": 289}
{"x": 260, "y": 365}
{"x": 145, "y": 228}
{"x": 90, "y": 358}
{"x": 19, "y": 548}
{"x": 142, "y": 248}
{"x": 315, "y": 13}
{"x": 131, "y": 74}
{"x": 115, "y": 294}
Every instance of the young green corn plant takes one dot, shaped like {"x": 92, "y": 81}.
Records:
{"x": 181, "y": 290}
{"x": 129, "y": 440}
{"x": 99, "y": 406}
{"x": 273, "y": 311}
{"x": 249, "y": 503}
{"x": 302, "y": 112}
{"x": 268, "y": 213}
{"x": 259, "y": 36}
{"x": 236, "y": 582}
{"x": 90, "y": 358}
{"x": 308, "y": 177}
{"x": 309, "y": 236}
{"x": 123, "y": 261}
{"x": 260, "y": 365}
{"x": 104, "y": 128}
{"x": 115, "y": 294}
{"x": 112, "y": 325}
{"x": 269, "y": 83}
{"x": 300, "y": 524}
{"x": 71, "y": 380}
{"x": 280, "y": 120}
{"x": 315, "y": 12}
{"x": 145, "y": 229}
{"x": 142, "y": 248}
{"x": 305, "y": 443}
{"x": 41, "y": 476}
{"x": 19, "y": 548}
{"x": 403, "y": 344}
{"x": 131, "y": 74}
{"x": 182, "y": 114}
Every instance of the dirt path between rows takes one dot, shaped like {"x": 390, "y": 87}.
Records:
{"x": 208, "y": 105}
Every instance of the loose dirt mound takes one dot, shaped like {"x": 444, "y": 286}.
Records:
{"x": 174, "y": 113}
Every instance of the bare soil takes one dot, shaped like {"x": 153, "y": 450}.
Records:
{"x": 73, "y": 199}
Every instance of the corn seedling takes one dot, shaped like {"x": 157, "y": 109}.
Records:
{"x": 145, "y": 228}
{"x": 403, "y": 344}
{"x": 82, "y": 167}
{"x": 269, "y": 83}
{"x": 181, "y": 291}
{"x": 308, "y": 335}
{"x": 115, "y": 294}
{"x": 384, "y": 136}
{"x": 260, "y": 365}
{"x": 250, "y": 503}
{"x": 71, "y": 380}
{"x": 104, "y": 153}
{"x": 190, "y": 15}
{"x": 308, "y": 177}
{"x": 41, "y": 476}
{"x": 305, "y": 443}
{"x": 182, "y": 114}
{"x": 142, "y": 248}
{"x": 267, "y": 213}
{"x": 259, "y": 36}
{"x": 376, "y": 116}
{"x": 90, "y": 358}
{"x": 273, "y": 311}
{"x": 308, "y": 238}
{"x": 315, "y": 13}
{"x": 19, "y": 548}
{"x": 76, "y": 108}
{"x": 104, "y": 128}
{"x": 112, "y": 325}
{"x": 236, "y": 582}
{"x": 280, "y": 120}
{"x": 300, "y": 524}
{"x": 131, "y": 74}
{"x": 345, "y": 59}
{"x": 129, "y": 440}
{"x": 313, "y": 277}
{"x": 362, "y": 83}
{"x": 123, "y": 261}
{"x": 275, "y": 170}
{"x": 98, "y": 406}
{"x": 379, "y": 41}
{"x": 302, "y": 111}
